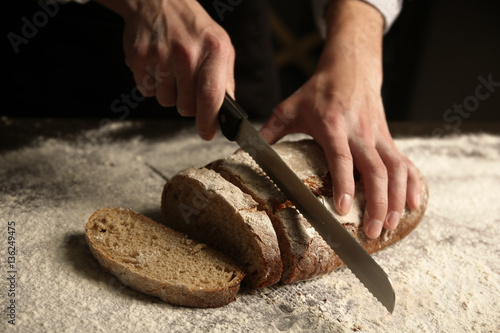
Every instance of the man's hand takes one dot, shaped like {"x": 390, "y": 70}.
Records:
{"x": 341, "y": 108}
{"x": 178, "y": 54}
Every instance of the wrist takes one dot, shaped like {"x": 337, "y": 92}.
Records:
{"x": 353, "y": 15}
{"x": 355, "y": 27}
{"x": 353, "y": 45}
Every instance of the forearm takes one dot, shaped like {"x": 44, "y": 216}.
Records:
{"x": 353, "y": 45}
{"x": 355, "y": 25}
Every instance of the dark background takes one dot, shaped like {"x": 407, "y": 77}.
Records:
{"x": 433, "y": 56}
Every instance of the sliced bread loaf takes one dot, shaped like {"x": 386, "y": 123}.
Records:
{"x": 161, "y": 262}
{"x": 203, "y": 205}
{"x": 303, "y": 251}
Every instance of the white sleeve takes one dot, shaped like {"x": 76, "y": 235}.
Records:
{"x": 77, "y": 1}
{"x": 389, "y": 9}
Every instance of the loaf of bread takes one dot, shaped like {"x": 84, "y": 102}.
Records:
{"x": 161, "y": 262}
{"x": 244, "y": 219}
{"x": 303, "y": 252}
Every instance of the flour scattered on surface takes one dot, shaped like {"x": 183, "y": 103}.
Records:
{"x": 446, "y": 273}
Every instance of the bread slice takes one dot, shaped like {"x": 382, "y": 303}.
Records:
{"x": 203, "y": 205}
{"x": 304, "y": 253}
{"x": 161, "y": 262}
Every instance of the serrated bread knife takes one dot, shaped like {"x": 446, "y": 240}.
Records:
{"x": 236, "y": 127}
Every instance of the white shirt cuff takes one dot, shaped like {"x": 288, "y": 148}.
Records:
{"x": 389, "y": 9}
{"x": 77, "y": 1}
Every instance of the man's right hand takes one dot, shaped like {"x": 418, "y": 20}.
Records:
{"x": 178, "y": 54}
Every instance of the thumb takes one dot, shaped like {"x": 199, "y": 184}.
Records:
{"x": 276, "y": 127}
{"x": 230, "y": 85}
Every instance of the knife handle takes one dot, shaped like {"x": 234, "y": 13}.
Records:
{"x": 230, "y": 117}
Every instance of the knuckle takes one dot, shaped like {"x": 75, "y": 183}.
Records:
{"x": 397, "y": 196}
{"x": 412, "y": 171}
{"x": 397, "y": 166}
{"x": 399, "y": 199}
{"x": 216, "y": 42}
{"x": 328, "y": 117}
{"x": 345, "y": 185}
{"x": 213, "y": 44}
{"x": 379, "y": 202}
{"x": 157, "y": 52}
{"x": 342, "y": 162}
{"x": 182, "y": 53}
{"x": 207, "y": 92}
{"x": 378, "y": 171}
{"x": 207, "y": 97}
{"x": 343, "y": 157}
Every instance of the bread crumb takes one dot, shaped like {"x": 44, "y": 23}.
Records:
{"x": 197, "y": 248}
{"x": 356, "y": 328}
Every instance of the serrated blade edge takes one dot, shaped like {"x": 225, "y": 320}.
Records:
{"x": 354, "y": 256}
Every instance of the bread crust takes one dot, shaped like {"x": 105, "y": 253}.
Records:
{"x": 173, "y": 292}
{"x": 202, "y": 204}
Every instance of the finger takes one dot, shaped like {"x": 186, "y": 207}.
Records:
{"x": 185, "y": 64}
{"x": 397, "y": 172}
{"x": 374, "y": 173}
{"x": 414, "y": 187}
{"x": 166, "y": 89}
{"x": 146, "y": 83}
{"x": 137, "y": 61}
{"x": 211, "y": 88}
{"x": 340, "y": 164}
{"x": 230, "y": 84}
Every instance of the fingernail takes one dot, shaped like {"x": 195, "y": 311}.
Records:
{"x": 206, "y": 135}
{"x": 181, "y": 112}
{"x": 373, "y": 227}
{"x": 393, "y": 220}
{"x": 345, "y": 204}
{"x": 415, "y": 204}
{"x": 417, "y": 201}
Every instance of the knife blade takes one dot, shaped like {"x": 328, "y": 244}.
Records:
{"x": 236, "y": 127}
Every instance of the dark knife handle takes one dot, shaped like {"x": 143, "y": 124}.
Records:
{"x": 230, "y": 117}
